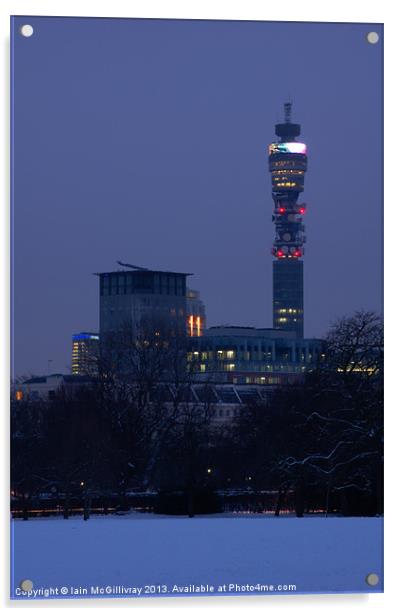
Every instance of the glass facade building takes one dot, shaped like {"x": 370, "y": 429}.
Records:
{"x": 129, "y": 298}
{"x": 85, "y": 352}
{"x": 247, "y": 355}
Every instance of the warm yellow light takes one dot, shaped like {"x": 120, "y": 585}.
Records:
{"x": 19, "y": 395}
{"x": 198, "y": 323}
{"x": 191, "y": 324}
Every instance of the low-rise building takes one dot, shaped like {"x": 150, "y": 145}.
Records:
{"x": 249, "y": 355}
{"x": 222, "y": 400}
{"x": 45, "y": 388}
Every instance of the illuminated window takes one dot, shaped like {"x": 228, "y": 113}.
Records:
{"x": 19, "y": 395}
{"x": 194, "y": 325}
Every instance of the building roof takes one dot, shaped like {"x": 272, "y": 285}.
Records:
{"x": 35, "y": 379}
{"x": 85, "y": 336}
{"x": 243, "y": 331}
{"x": 67, "y": 378}
{"x": 141, "y": 271}
{"x": 77, "y": 378}
{"x": 237, "y": 331}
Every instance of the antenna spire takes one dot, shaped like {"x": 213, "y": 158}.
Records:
{"x": 288, "y": 112}
{"x": 135, "y": 267}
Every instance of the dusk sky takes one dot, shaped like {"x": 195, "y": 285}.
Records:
{"x": 145, "y": 141}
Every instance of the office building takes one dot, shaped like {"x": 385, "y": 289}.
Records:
{"x": 85, "y": 353}
{"x": 248, "y": 355}
{"x": 134, "y": 299}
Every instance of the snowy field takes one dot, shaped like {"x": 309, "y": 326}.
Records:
{"x": 142, "y": 555}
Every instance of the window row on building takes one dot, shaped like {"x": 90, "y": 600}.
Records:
{"x": 127, "y": 283}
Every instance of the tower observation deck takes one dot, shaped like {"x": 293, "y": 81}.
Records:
{"x": 288, "y": 164}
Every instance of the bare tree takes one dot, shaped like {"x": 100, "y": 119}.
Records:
{"x": 343, "y": 413}
{"x": 322, "y": 440}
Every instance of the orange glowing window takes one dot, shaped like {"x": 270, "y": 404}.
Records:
{"x": 19, "y": 395}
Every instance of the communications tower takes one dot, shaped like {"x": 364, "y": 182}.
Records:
{"x": 288, "y": 164}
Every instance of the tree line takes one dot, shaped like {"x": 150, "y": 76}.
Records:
{"x": 317, "y": 445}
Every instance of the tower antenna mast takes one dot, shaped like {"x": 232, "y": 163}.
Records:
{"x": 288, "y": 112}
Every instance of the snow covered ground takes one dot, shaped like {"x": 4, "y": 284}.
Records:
{"x": 122, "y": 555}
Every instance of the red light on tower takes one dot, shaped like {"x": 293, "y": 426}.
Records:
{"x": 302, "y": 210}
{"x": 281, "y": 210}
{"x": 279, "y": 253}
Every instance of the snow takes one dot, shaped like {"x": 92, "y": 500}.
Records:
{"x": 118, "y": 553}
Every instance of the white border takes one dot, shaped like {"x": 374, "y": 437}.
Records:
{"x": 290, "y": 10}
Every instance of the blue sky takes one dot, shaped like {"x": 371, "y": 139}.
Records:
{"x": 145, "y": 141}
